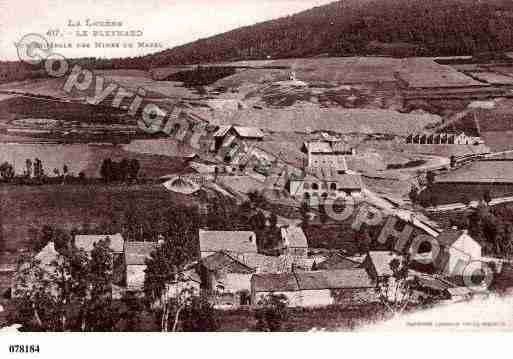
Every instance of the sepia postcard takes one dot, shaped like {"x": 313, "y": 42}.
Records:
{"x": 255, "y": 166}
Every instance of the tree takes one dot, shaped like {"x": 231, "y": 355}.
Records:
{"x": 487, "y": 196}
{"x": 168, "y": 262}
{"x": 414, "y": 194}
{"x": 272, "y": 312}
{"x": 106, "y": 170}
{"x": 38, "y": 169}
{"x": 134, "y": 168}
{"x": 6, "y": 171}
{"x": 430, "y": 177}
{"x": 28, "y": 168}
{"x": 124, "y": 168}
{"x": 73, "y": 292}
{"x": 305, "y": 210}
{"x": 395, "y": 292}
{"x": 453, "y": 161}
{"x": 199, "y": 316}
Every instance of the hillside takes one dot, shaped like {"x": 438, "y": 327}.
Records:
{"x": 355, "y": 27}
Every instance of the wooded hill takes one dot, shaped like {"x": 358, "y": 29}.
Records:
{"x": 360, "y": 27}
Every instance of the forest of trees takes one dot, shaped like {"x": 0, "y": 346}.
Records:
{"x": 344, "y": 28}
{"x": 351, "y": 27}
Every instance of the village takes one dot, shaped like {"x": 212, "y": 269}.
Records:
{"x": 393, "y": 257}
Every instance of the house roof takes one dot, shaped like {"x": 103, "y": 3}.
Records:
{"x": 318, "y": 147}
{"x": 267, "y": 264}
{"x": 222, "y": 261}
{"x": 242, "y": 131}
{"x": 232, "y": 241}
{"x": 327, "y": 147}
{"x": 381, "y": 261}
{"x": 136, "y": 253}
{"x": 337, "y": 261}
{"x": 315, "y": 280}
{"x": 294, "y": 237}
{"x": 449, "y": 237}
{"x": 87, "y": 242}
{"x": 275, "y": 282}
{"x": 348, "y": 278}
{"x": 480, "y": 172}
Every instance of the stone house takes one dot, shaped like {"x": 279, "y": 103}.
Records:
{"x": 316, "y": 288}
{"x": 225, "y": 279}
{"x": 248, "y": 134}
{"x": 326, "y": 183}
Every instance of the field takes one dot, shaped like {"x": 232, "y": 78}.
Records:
{"x": 302, "y": 319}
{"x": 131, "y": 80}
{"x": 425, "y": 73}
{"x": 308, "y": 117}
{"x": 88, "y": 158}
{"x": 417, "y": 72}
{"x": 492, "y": 78}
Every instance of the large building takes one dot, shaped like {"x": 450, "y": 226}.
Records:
{"x": 327, "y": 154}
{"x": 325, "y": 184}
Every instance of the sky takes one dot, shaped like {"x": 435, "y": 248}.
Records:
{"x": 165, "y": 23}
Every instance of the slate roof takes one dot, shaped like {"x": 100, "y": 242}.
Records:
{"x": 449, "y": 237}
{"x": 275, "y": 282}
{"x": 348, "y": 278}
{"x": 327, "y": 147}
{"x": 242, "y": 131}
{"x": 86, "y": 242}
{"x": 316, "y": 280}
{"x": 222, "y": 261}
{"x": 294, "y": 237}
{"x": 337, "y": 261}
{"x": 136, "y": 253}
{"x": 267, "y": 264}
{"x": 232, "y": 241}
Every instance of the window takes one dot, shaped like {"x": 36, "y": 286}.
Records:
{"x": 315, "y": 186}
{"x": 333, "y": 186}
{"x": 306, "y": 185}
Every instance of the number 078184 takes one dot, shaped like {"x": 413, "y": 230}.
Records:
{"x": 26, "y": 348}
